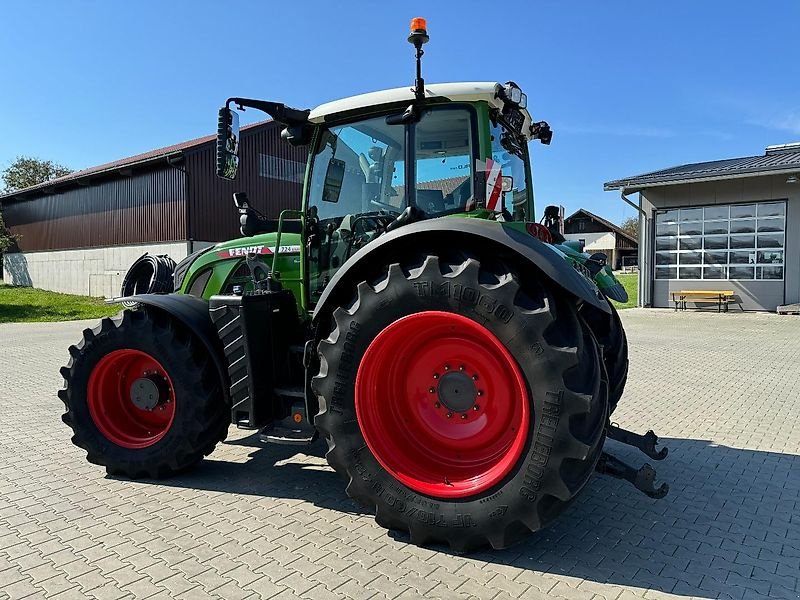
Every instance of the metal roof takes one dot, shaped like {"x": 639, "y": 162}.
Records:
{"x": 777, "y": 160}
{"x": 137, "y": 160}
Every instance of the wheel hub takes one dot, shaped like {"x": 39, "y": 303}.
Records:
{"x": 148, "y": 392}
{"x": 457, "y": 391}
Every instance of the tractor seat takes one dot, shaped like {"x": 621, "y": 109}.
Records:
{"x": 431, "y": 201}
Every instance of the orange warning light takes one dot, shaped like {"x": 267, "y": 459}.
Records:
{"x": 419, "y": 24}
{"x": 297, "y": 417}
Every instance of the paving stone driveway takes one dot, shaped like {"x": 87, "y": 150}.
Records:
{"x": 722, "y": 390}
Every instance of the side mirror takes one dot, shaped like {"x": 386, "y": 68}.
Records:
{"x": 506, "y": 183}
{"x": 227, "y": 143}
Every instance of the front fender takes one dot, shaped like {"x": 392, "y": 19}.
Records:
{"x": 192, "y": 313}
{"x": 463, "y": 233}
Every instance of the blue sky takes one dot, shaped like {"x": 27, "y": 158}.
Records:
{"x": 627, "y": 86}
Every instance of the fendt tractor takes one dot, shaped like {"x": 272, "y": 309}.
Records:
{"x": 460, "y": 359}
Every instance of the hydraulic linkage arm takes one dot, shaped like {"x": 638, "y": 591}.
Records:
{"x": 643, "y": 479}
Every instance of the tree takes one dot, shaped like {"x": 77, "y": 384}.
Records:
{"x": 7, "y": 238}
{"x": 631, "y": 226}
{"x": 26, "y": 171}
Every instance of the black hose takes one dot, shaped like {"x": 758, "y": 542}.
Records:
{"x": 149, "y": 274}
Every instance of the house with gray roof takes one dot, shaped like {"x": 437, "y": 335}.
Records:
{"x": 729, "y": 224}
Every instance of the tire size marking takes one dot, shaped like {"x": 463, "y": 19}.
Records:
{"x": 542, "y": 446}
{"x": 481, "y": 302}
{"x": 346, "y": 364}
{"x": 407, "y": 503}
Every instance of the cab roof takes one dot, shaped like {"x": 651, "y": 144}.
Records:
{"x": 465, "y": 91}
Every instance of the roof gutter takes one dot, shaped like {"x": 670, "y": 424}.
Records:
{"x": 622, "y": 184}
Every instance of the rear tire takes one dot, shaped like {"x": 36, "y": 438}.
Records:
{"x": 443, "y": 487}
{"x": 611, "y": 336}
{"x": 185, "y": 425}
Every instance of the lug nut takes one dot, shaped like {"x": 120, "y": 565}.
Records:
{"x": 431, "y": 390}
{"x": 449, "y": 415}
{"x": 475, "y": 377}
{"x": 475, "y": 407}
{"x": 461, "y": 368}
{"x": 480, "y": 392}
{"x": 464, "y": 416}
{"x": 436, "y": 376}
{"x": 447, "y": 367}
{"x": 436, "y": 405}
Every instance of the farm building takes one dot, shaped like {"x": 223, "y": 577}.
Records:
{"x": 80, "y": 233}
{"x": 731, "y": 225}
{"x": 599, "y": 235}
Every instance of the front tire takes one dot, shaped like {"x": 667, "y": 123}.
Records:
{"x": 142, "y": 396}
{"x": 463, "y": 406}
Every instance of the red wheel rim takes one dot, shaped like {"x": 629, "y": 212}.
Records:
{"x": 424, "y": 367}
{"x": 110, "y": 399}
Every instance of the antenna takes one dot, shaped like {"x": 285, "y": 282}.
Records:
{"x": 418, "y": 37}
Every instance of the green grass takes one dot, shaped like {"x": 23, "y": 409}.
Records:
{"x": 24, "y": 304}
{"x": 630, "y": 281}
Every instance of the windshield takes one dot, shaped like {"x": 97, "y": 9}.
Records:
{"x": 358, "y": 181}
{"x": 511, "y": 153}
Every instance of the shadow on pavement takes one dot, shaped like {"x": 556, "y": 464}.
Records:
{"x": 729, "y": 528}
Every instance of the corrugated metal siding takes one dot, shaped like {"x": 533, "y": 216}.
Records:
{"x": 212, "y": 214}
{"x": 146, "y": 207}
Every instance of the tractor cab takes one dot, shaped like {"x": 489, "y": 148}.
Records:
{"x": 380, "y": 160}
{"x": 384, "y": 159}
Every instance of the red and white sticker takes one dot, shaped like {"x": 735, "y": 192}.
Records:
{"x": 243, "y": 251}
{"x": 494, "y": 186}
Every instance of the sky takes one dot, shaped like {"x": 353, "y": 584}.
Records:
{"x": 628, "y": 87}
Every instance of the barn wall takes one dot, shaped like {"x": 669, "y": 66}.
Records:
{"x": 270, "y": 171}
{"x": 146, "y": 207}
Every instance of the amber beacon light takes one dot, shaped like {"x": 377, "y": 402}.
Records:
{"x": 419, "y": 30}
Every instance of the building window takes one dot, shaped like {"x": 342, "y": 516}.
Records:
{"x": 275, "y": 167}
{"x": 736, "y": 241}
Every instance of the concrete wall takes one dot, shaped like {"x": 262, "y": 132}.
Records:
{"x": 755, "y": 295}
{"x": 89, "y": 271}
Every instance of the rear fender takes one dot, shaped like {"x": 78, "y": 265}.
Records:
{"x": 192, "y": 313}
{"x": 500, "y": 239}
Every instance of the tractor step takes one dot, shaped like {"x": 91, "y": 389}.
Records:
{"x": 646, "y": 443}
{"x": 295, "y": 429}
{"x": 290, "y": 392}
{"x": 643, "y": 479}
{"x": 287, "y": 436}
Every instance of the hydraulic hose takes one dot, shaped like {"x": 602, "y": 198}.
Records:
{"x": 149, "y": 274}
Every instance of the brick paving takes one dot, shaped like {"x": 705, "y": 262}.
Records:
{"x": 723, "y": 391}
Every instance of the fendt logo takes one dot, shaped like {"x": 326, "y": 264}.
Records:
{"x": 245, "y": 250}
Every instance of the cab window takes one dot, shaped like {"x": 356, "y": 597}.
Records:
{"x": 511, "y": 153}
{"x": 356, "y": 189}
{"x": 444, "y": 150}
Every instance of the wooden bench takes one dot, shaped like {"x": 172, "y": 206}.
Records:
{"x": 721, "y": 297}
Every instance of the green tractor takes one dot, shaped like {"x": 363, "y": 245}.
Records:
{"x": 461, "y": 360}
